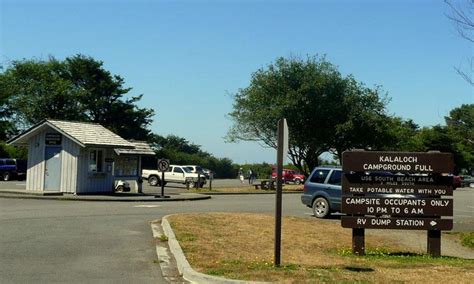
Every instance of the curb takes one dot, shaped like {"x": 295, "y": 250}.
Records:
{"x": 99, "y": 199}
{"x": 185, "y": 268}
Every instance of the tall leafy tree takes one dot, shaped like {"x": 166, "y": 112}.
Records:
{"x": 38, "y": 90}
{"x": 460, "y": 126}
{"x": 77, "y": 88}
{"x": 461, "y": 120}
{"x": 325, "y": 110}
{"x": 6, "y": 126}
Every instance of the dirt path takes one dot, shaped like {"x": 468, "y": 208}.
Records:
{"x": 416, "y": 241}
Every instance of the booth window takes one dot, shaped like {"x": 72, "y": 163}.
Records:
{"x": 126, "y": 166}
{"x": 96, "y": 161}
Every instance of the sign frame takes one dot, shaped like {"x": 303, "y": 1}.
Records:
{"x": 401, "y": 174}
{"x": 163, "y": 165}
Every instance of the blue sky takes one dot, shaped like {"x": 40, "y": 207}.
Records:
{"x": 187, "y": 57}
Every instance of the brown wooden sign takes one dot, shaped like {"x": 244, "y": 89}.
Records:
{"x": 405, "y": 185}
{"x": 394, "y": 185}
{"x": 396, "y": 223}
{"x": 403, "y": 162}
{"x": 372, "y": 205}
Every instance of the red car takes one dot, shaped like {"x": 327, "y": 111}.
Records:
{"x": 290, "y": 176}
{"x": 456, "y": 182}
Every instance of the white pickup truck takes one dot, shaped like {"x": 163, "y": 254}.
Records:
{"x": 175, "y": 174}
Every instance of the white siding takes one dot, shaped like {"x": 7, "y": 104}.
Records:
{"x": 35, "y": 171}
{"x": 93, "y": 183}
{"x": 69, "y": 157}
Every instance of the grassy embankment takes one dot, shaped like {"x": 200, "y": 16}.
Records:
{"x": 240, "y": 246}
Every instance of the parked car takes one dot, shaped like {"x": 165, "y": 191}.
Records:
{"x": 456, "y": 182}
{"x": 322, "y": 191}
{"x": 207, "y": 172}
{"x": 467, "y": 181}
{"x": 197, "y": 170}
{"x": 175, "y": 174}
{"x": 12, "y": 169}
{"x": 290, "y": 176}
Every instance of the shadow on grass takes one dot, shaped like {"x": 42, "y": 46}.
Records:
{"x": 359, "y": 269}
{"x": 411, "y": 254}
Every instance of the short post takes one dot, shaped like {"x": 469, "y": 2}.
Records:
{"x": 211, "y": 177}
{"x": 187, "y": 184}
{"x": 162, "y": 184}
{"x": 434, "y": 243}
{"x": 358, "y": 241}
{"x": 198, "y": 185}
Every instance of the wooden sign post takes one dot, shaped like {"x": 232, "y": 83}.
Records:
{"x": 397, "y": 190}
{"x": 282, "y": 150}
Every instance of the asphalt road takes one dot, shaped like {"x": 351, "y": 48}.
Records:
{"x": 47, "y": 241}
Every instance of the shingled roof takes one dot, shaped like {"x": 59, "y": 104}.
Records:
{"x": 83, "y": 133}
{"x": 141, "y": 148}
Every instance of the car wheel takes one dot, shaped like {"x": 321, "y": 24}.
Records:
{"x": 119, "y": 188}
{"x": 153, "y": 181}
{"x": 6, "y": 176}
{"x": 201, "y": 185}
{"x": 298, "y": 181}
{"x": 321, "y": 207}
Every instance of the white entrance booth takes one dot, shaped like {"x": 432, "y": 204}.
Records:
{"x": 81, "y": 158}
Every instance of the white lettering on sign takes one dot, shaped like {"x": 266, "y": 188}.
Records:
{"x": 397, "y": 167}
{"x": 398, "y": 159}
{"x": 366, "y": 178}
{"x": 383, "y": 178}
{"x": 381, "y": 222}
{"x": 408, "y": 222}
{"x": 356, "y": 189}
{"x": 405, "y": 190}
{"x": 361, "y": 221}
{"x": 379, "y": 190}
{"x": 386, "y": 167}
{"x": 423, "y": 168}
{"x": 405, "y": 202}
{"x": 381, "y": 210}
{"x": 364, "y": 201}
{"x": 439, "y": 203}
{"x": 398, "y": 163}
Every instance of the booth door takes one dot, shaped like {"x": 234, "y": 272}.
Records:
{"x": 52, "y": 172}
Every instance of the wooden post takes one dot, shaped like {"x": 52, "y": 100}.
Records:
{"x": 434, "y": 243}
{"x": 358, "y": 241}
{"x": 279, "y": 194}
